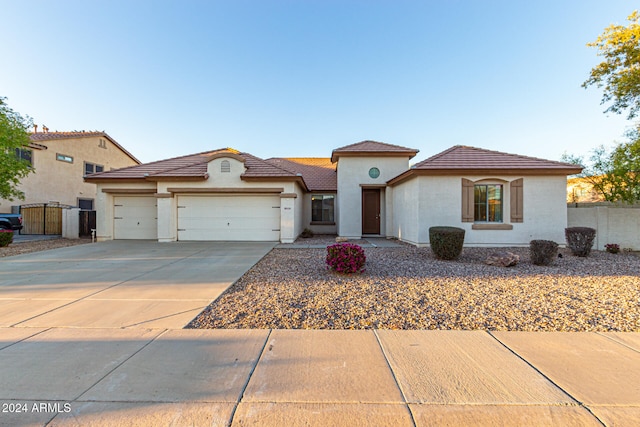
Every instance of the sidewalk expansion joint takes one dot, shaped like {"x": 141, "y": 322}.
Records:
{"x": 579, "y": 403}
{"x": 77, "y": 398}
{"x": 617, "y": 342}
{"x": 395, "y": 378}
{"x": 246, "y": 384}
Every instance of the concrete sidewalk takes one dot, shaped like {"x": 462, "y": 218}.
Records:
{"x": 73, "y": 377}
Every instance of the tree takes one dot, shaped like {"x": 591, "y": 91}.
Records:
{"x": 619, "y": 73}
{"x": 14, "y": 136}
{"x": 614, "y": 174}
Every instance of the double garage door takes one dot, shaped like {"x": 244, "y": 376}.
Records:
{"x": 239, "y": 218}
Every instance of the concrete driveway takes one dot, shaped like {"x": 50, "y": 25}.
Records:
{"x": 120, "y": 284}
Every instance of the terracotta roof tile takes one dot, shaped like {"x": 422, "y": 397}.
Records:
{"x": 52, "y": 136}
{"x": 464, "y": 157}
{"x": 194, "y": 166}
{"x": 319, "y": 173}
{"x": 372, "y": 147}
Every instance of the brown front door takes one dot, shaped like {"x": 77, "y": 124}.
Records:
{"x": 371, "y": 211}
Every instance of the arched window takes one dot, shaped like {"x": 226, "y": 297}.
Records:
{"x": 225, "y": 166}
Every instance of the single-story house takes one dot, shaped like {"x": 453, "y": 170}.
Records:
{"x": 363, "y": 189}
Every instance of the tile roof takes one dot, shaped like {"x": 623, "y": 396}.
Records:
{"x": 52, "y": 136}
{"x": 319, "y": 173}
{"x": 372, "y": 147}
{"x": 193, "y": 166}
{"x": 464, "y": 157}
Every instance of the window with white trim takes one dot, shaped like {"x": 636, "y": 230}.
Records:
{"x": 90, "y": 168}
{"x": 64, "y": 158}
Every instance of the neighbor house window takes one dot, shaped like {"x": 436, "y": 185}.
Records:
{"x": 322, "y": 206}
{"x": 225, "y": 166}
{"x": 90, "y": 168}
{"x": 487, "y": 203}
{"x": 85, "y": 204}
{"x": 25, "y": 154}
{"x": 64, "y": 158}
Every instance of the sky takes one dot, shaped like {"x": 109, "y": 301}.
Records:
{"x": 296, "y": 78}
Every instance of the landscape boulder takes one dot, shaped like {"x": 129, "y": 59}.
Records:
{"x": 503, "y": 259}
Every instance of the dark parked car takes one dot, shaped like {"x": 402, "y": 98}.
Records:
{"x": 10, "y": 221}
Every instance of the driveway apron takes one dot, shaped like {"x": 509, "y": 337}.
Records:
{"x": 121, "y": 284}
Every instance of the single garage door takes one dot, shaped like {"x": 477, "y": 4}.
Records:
{"x": 240, "y": 218}
{"x": 135, "y": 217}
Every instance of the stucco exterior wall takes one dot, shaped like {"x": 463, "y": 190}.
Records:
{"x": 438, "y": 200}
{"x": 614, "y": 224}
{"x": 405, "y": 208}
{"x": 353, "y": 172}
{"x": 63, "y": 182}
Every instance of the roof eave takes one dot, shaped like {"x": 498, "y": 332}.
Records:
{"x": 488, "y": 171}
{"x": 335, "y": 155}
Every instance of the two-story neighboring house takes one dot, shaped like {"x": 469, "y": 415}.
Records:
{"x": 60, "y": 161}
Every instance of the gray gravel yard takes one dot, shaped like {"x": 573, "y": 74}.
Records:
{"x": 408, "y": 288}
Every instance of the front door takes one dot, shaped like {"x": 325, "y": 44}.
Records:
{"x": 371, "y": 211}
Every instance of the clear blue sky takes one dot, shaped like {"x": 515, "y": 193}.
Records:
{"x": 300, "y": 78}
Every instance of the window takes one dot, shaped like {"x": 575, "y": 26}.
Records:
{"x": 322, "y": 207}
{"x": 64, "y": 158}
{"x": 484, "y": 203}
{"x": 487, "y": 203}
{"x": 85, "y": 204}
{"x": 225, "y": 166}
{"x": 25, "y": 154}
{"x": 90, "y": 168}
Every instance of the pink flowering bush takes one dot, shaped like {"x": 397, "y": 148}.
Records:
{"x": 6, "y": 237}
{"x": 346, "y": 258}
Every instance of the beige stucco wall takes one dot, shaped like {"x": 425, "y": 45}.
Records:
{"x": 354, "y": 172}
{"x": 614, "y": 224}
{"x": 55, "y": 180}
{"x": 428, "y": 201}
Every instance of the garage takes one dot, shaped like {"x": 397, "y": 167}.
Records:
{"x": 135, "y": 217}
{"x": 229, "y": 218}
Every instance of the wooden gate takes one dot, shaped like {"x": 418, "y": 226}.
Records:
{"x": 42, "y": 218}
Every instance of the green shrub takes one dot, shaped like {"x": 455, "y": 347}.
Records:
{"x": 543, "y": 252}
{"x": 580, "y": 240}
{"x": 446, "y": 242}
{"x": 346, "y": 258}
{"x": 6, "y": 238}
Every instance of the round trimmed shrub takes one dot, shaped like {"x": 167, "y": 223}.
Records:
{"x": 346, "y": 258}
{"x": 6, "y": 238}
{"x": 446, "y": 242}
{"x": 543, "y": 252}
{"x": 580, "y": 240}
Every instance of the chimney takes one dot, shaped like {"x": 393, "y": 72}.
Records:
{"x": 35, "y": 128}
{"x": 45, "y": 129}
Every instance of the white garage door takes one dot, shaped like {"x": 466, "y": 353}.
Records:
{"x": 135, "y": 217}
{"x": 240, "y": 218}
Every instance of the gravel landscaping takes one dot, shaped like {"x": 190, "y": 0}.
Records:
{"x": 408, "y": 288}
{"x": 19, "y": 248}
